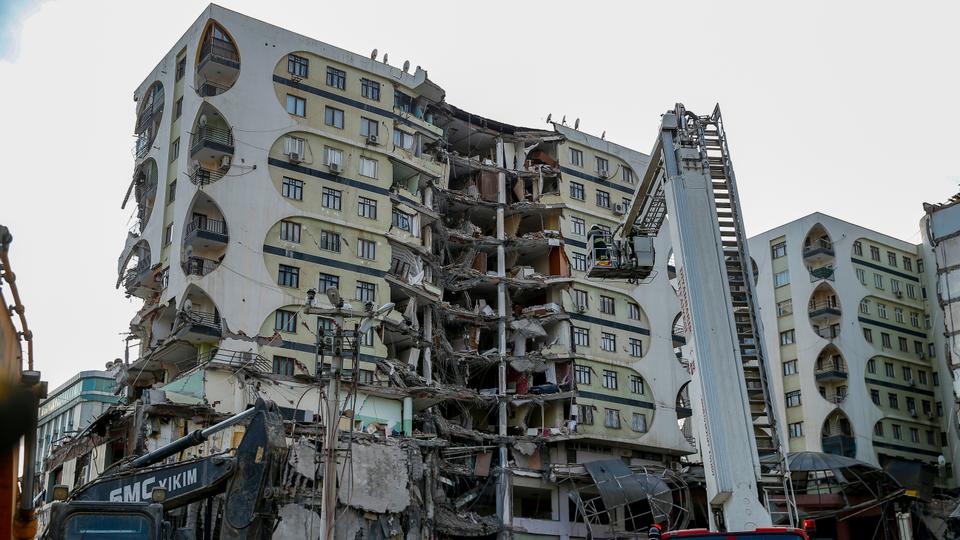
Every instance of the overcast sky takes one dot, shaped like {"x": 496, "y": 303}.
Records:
{"x": 840, "y": 107}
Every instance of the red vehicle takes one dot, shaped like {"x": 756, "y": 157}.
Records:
{"x": 768, "y": 533}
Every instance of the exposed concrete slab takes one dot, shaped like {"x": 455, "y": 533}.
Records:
{"x": 380, "y": 478}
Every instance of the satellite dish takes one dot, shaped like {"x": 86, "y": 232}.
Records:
{"x": 603, "y": 136}
{"x": 203, "y": 120}
{"x": 406, "y": 66}
{"x": 373, "y": 55}
{"x": 564, "y": 120}
{"x": 384, "y": 58}
{"x": 549, "y": 116}
{"x": 576, "y": 124}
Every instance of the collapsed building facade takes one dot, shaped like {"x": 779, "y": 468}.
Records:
{"x": 483, "y": 402}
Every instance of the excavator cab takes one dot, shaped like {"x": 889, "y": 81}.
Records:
{"x": 115, "y": 521}
{"x": 614, "y": 258}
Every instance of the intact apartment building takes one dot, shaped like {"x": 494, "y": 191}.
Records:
{"x": 852, "y": 324}
{"x": 268, "y": 164}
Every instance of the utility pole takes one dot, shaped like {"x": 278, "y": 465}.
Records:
{"x": 341, "y": 339}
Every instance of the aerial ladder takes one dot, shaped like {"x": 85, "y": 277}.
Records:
{"x": 690, "y": 178}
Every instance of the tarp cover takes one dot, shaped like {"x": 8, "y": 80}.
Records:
{"x": 619, "y": 486}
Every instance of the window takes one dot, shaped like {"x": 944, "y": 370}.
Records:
{"x": 284, "y": 365}
{"x": 603, "y": 167}
{"x": 370, "y": 89}
{"x": 297, "y": 65}
{"x": 793, "y": 398}
{"x": 877, "y": 280}
{"x": 897, "y": 432}
{"x": 894, "y": 401}
{"x": 862, "y": 276}
{"x": 578, "y": 226}
{"x": 781, "y": 278}
{"x": 922, "y": 376}
{"x": 366, "y": 249}
{"x": 610, "y": 379}
{"x": 603, "y": 199}
{"x": 920, "y": 265}
{"x": 907, "y": 373}
{"x": 368, "y": 167}
{"x": 366, "y": 292}
{"x": 914, "y": 435}
{"x": 330, "y": 241}
{"x": 882, "y": 310}
{"x": 902, "y": 343}
{"x": 579, "y": 262}
{"x": 871, "y": 366}
{"x": 296, "y": 105}
{"x": 294, "y": 145}
{"x": 331, "y": 198}
{"x": 857, "y": 248}
{"x": 939, "y": 406}
{"x": 787, "y": 337}
{"x": 865, "y": 307}
{"x": 911, "y": 405}
{"x": 636, "y": 384}
{"x": 608, "y": 341}
{"x": 875, "y": 396}
{"x": 888, "y": 369}
{"x": 583, "y": 374}
{"x": 868, "y": 335}
{"x": 368, "y": 127}
{"x": 878, "y": 429}
{"x": 402, "y": 139}
{"x": 639, "y": 422}
{"x": 636, "y": 347}
{"x": 930, "y": 439}
{"x": 402, "y": 221}
{"x": 178, "y": 109}
{"x": 576, "y": 191}
{"x": 367, "y": 207}
{"x": 795, "y": 430}
{"x": 172, "y": 192}
{"x": 576, "y": 157}
{"x": 580, "y": 299}
{"x": 935, "y": 377}
{"x": 288, "y": 276}
{"x": 336, "y": 78}
{"x": 332, "y": 156}
{"x": 911, "y": 291}
{"x": 292, "y": 188}
{"x": 585, "y": 414}
{"x": 790, "y": 367}
{"x": 892, "y": 258}
{"x": 285, "y": 321}
{"x": 611, "y": 418}
{"x": 290, "y": 232}
{"x": 633, "y": 311}
{"x": 581, "y": 337}
{"x": 915, "y": 320}
{"x": 607, "y": 305}
{"x": 181, "y": 68}
{"x": 885, "y": 339}
{"x": 333, "y": 117}
{"x": 779, "y": 250}
{"x": 895, "y": 286}
{"x": 328, "y": 281}
{"x": 875, "y": 253}
{"x": 898, "y": 315}
{"x": 168, "y": 235}
{"x": 907, "y": 263}
{"x": 628, "y": 175}
{"x": 175, "y": 149}
{"x": 784, "y": 308}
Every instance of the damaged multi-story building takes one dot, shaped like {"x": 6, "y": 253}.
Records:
{"x": 268, "y": 164}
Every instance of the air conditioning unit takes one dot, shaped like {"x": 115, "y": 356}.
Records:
{"x": 372, "y": 139}
{"x": 619, "y": 209}
{"x": 225, "y": 162}
{"x": 295, "y": 157}
{"x": 603, "y": 173}
{"x": 335, "y": 167}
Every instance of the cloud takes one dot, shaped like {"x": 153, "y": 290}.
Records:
{"x": 12, "y": 15}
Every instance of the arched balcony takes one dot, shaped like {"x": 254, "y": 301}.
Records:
{"x": 218, "y": 61}
{"x": 836, "y": 436}
{"x": 149, "y": 114}
{"x": 818, "y": 253}
{"x": 205, "y": 237}
{"x": 830, "y": 372}
{"x": 145, "y": 191}
{"x": 211, "y": 146}
{"x": 824, "y": 312}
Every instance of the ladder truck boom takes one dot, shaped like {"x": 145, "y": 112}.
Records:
{"x": 690, "y": 177}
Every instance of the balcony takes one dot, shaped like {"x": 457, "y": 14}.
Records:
{"x": 199, "y": 266}
{"x": 203, "y": 176}
{"x": 219, "y": 50}
{"x": 217, "y": 140}
{"x": 831, "y": 374}
{"x": 205, "y": 231}
{"x": 152, "y": 112}
{"x": 139, "y": 277}
{"x": 236, "y": 360}
{"x": 823, "y": 311}
{"x": 824, "y": 272}
{"x": 841, "y": 445}
{"x": 829, "y": 332}
{"x": 144, "y": 143}
{"x": 198, "y": 326}
{"x": 818, "y": 250}
{"x": 211, "y": 89}
{"x": 836, "y": 399}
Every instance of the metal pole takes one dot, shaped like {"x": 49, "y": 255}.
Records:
{"x": 331, "y": 435}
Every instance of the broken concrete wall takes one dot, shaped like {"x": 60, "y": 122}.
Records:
{"x": 377, "y": 480}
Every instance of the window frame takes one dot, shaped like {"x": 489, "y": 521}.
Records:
{"x": 336, "y": 78}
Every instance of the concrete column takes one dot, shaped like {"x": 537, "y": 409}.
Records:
{"x": 504, "y": 505}
{"x": 428, "y": 336}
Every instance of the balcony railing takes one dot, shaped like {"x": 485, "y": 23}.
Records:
{"x": 136, "y": 274}
{"x": 828, "y": 333}
{"x": 202, "y": 176}
{"x": 221, "y": 51}
{"x": 210, "y": 89}
{"x": 144, "y": 142}
{"x": 193, "y": 317}
{"x": 817, "y": 274}
{"x": 842, "y": 445}
{"x": 818, "y": 247}
{"x": 214, "y": 226}
{"x": 822, "y": 309}
{"x": 149, "y": 113}
{"x": 215, "y": 138}
{"x": 236, "y": 359}
{"x": 199, "y": 266}
{"x": 831, "y": 374}
{"x": 835, "y": 398}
